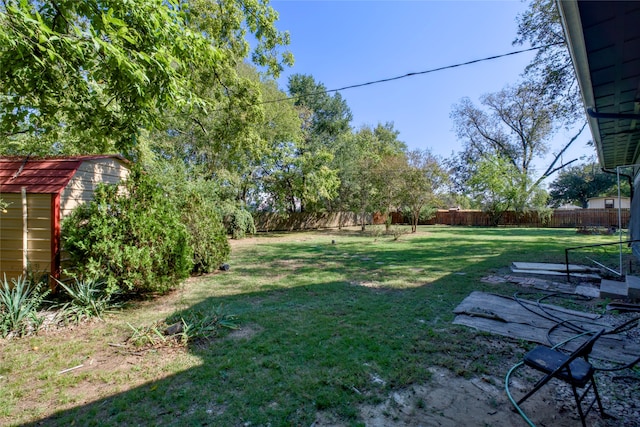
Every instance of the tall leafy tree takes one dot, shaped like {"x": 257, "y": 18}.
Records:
{"x": 87, "y": 76}
{"x": 369, "y": 164}
{"x": 304, "y": 173}
{"x": 496, "y": 185}
{"x": 387, "y": 177}
{"x": 577, "y": 184}
{"x": 551, "y": 70}
{"x": 238, "y": 143}
{"x": 514, "y": 125}
{"x": 328, "y": 115}
{"x": 422, "y": 183}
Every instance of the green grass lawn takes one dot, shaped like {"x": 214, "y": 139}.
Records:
{"x": 324, "y": 327}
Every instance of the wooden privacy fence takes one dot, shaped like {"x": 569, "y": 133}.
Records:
{"x": 266, "y": 221}
{"x": 577, "y": 218}
{"x": 559, "y": 218}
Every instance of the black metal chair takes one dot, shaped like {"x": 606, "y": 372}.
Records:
{"x": 573, "y": 369}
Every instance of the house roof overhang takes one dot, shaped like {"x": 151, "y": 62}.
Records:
{"x": 604, "y": 42}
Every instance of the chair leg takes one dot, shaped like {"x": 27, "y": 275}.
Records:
{"x": 595, "y": 391}
{"x": 579, "y": 405}
{"x": 537, "y": 387}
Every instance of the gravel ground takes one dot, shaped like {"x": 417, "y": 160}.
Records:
{"x": 619, "y": 388}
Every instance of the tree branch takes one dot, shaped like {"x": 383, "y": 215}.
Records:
{"x": 199, "y": 123}
{"x": 550, "y": 169}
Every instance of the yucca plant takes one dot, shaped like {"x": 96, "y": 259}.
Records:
{"x": 19, "y": 303}
{"x": 89, "y": 298}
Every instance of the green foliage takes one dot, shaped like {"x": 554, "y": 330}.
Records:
{"x": 147, "y": 335}
{"x": 198, "y": 201}
{"x": 496, "y": 186}
{"x": 425, "y": 213}
{"x": 183, "y": 328}
{"x": 132, "y": 236}
{"x": 88, "y": 298}
{"x": 514, "y": 125}
{"x": 298, "y": 174}
{"x": 422, "y": 182}
{"x": 238, "y": 222}
{"x": 398, "y": 231}
{"x": 86, "y": 76}
{"x": 551, "y": 68}
{"x": 19, "y": 302}
{"x": 206, "y": 233}
{"x": 578, "y": 184}
{"x": 545, "y": 215}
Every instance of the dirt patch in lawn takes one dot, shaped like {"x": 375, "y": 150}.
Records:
{"x": 451, "y": 400}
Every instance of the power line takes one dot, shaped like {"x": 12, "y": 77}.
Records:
{"x": 433, "y": 70}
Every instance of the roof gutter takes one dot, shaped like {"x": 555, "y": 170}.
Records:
{"x": 572, "y": 24}
{"x": 613, "y": 116}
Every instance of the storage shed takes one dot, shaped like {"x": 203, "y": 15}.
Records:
{"x": 40, "y": 193}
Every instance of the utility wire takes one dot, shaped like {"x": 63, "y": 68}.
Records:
{"x": 433, "y": 70}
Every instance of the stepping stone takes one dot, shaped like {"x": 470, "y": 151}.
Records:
{"x": 613, "y": 289}
{"x": 634, "y": 287}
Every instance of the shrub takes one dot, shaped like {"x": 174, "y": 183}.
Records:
{"x": 131, "y": 235}
{"x": 206, "y": 233}
{"x": 19, "y": 303}
{"x": 198, "y": 201}
{"x": 238, "y": 221}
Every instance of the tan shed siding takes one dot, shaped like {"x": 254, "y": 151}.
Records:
{"x": 90, "y": 173}
{"x": 11, "y": 237}
{"x": 38, "y": 234}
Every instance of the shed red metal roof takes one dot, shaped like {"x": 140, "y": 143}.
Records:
{"x": 42, "y": 176}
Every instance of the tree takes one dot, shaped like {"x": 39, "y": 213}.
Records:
{"x": 387, "y": 179}
{"x": 515, "y": 126}
{"x": 389, "y": 164}
{"x": 578, "y": 184}
{"x": 551, "y": 70}
{"x": 87, "y": 76}
{"x": 496, "y": 185}
{"x": 300, "y": 175}
{"x": 423, "y": 179}
{"x": 239, "y": 144}
{"x": 367, "y": 161}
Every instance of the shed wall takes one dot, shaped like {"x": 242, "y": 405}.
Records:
{"x": 84, "y": 182}
{"x": 38, "y": 235}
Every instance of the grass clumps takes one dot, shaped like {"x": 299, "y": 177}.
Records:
{"x": 184, "y": 328}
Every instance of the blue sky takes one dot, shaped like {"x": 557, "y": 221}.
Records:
{"x": 341, "y": 43}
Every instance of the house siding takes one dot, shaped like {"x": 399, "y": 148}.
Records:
{"x": 599, "y": 202}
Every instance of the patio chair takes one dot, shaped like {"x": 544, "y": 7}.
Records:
{"x": 573, "y": 369}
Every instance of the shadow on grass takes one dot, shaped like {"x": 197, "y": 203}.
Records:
{"x": 331, "y": 341}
